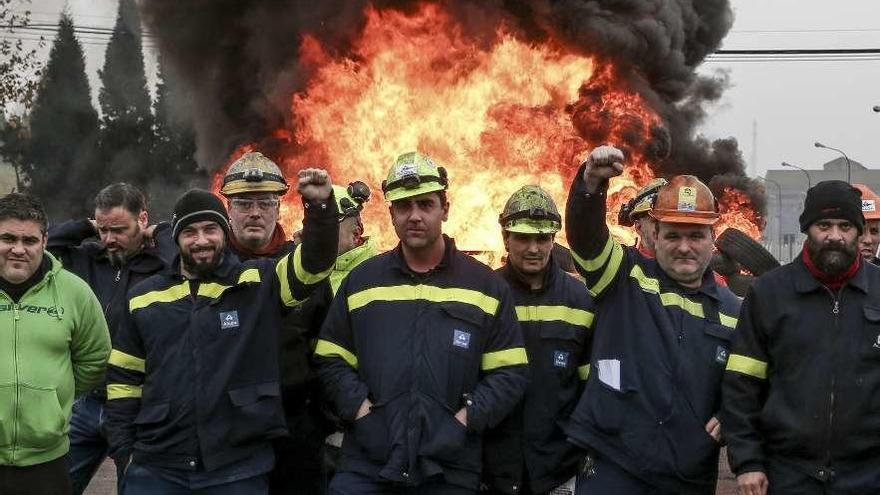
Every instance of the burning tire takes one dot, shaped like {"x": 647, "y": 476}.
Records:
{"x": 742, "y": 249}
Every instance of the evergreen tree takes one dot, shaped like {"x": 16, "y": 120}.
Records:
{"x": 127, "y": 130}
{"x": 64, "y": 129}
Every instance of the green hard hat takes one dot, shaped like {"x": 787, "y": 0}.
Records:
{"x": 413, "y": 174}
{"x": 530, "y": 210}
{"x": 350, "y": 200}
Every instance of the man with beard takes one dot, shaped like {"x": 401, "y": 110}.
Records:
{"x": 420, "y": 352}
{"x": 123, "y": 257}
{"x": 869, "y": 242}
{"x": 648, "y": 413}
{"x": 193, "y": 384}
{"x": 529, "y": 453}
{"x": 801, "y": 410}
{"x": 253, "y": 186}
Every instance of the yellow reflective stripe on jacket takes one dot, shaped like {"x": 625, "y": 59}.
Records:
{"x": 577, "y": 317}
{"x": 325, "y": 348}
{"x": 597, "y": 262}
{"x": 507, "y": 357}
{"x": 302, "y": 274}
{"x": 747, "y": 366}
{"x": 584, "y": 372}
{"x": 647, "y": 283}
{"x": 610, "y": 270}
{"x": 673, "y": 299}
{"x": 120, "y": 391}
{"x": 652, "y": 286}
{"x": 610, "y": 257}
{"x": 126, "y": 361}
{"x": 487, "y": 303}
{"x": 171, "y": 294}
{"x": 728, "y": 321}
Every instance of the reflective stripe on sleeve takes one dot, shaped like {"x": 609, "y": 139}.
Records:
{"x": 120, "y": 391}
{"x": 325, "y": 348}
{"x": 126, "y": 361}
{"x": 508, "y": 357}
{"x": 747, "y": 366}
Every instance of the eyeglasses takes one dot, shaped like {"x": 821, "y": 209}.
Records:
{"x": 247, "y": 204}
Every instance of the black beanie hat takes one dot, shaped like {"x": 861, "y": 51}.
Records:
{"x": 198, "y": 205}
{"x": 833, "y": 199}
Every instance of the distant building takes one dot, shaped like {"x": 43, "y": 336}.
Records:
{"x": 786, "y": 242}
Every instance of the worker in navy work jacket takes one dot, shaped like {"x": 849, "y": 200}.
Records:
{"x": 802, "y": 388}
{"x": 420, "y": 352}
{"x": 528, "y": 453}
{"x": 661, "y": 340}
{"x": 193, "y": 395}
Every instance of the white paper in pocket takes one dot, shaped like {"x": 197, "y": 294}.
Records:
{"x": 609, "y": 372}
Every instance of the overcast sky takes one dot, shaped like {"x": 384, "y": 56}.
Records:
{"x": 793, "y": 103}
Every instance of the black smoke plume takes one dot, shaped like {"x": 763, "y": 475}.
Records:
{"x": 239, "y": 61}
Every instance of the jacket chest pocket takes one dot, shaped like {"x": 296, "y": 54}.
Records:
{"x": 460, "y": 346}
{"x": 460, "y": 331}
{"x": 718, "y": 339}
{"x": 869, "y": 337}
{"x": 561, "y": 347}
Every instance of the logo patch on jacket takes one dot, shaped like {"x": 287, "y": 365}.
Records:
{"x": 462, "y": 339}
{"x": 560, "y": 359}
{"x": 721, "y": 354}
{"x": 228, "y": 320}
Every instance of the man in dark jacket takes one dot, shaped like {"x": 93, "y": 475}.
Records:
{"x": 662, "y": 331}
{"x": 193, "y": 389}
{"x": 528, "y": 453}
{"x": 802, "y": 389}
{"x": 303, "y": 463}
{"x": 123, "y": 257}
{"x": 420, "y": 352}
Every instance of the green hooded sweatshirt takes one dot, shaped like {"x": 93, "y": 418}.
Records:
{"x": 54, "y": 343}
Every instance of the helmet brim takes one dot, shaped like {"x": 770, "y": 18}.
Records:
{"x": 690, "y": 217}
{"x": 241, "y": 187}
{"x": 403, "y": 192}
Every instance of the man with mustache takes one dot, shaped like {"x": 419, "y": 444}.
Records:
{"x": 869, "y": 242}
{"x": 420, "y": 352}
{"x": 193, "y": 387}
{"x": 801, "y": 410}
{"x": 648, "y": 414}
{"x": 253, "y": 187}
{"x": 529, "y": 453}
{"x": 123, "y": 257}
{"x": 54, "y": 345}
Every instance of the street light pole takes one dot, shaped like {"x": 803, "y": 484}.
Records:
{"x": 809, "y": 181}
{"x": 778, "y": 215}
{"x": 848, "y": 163}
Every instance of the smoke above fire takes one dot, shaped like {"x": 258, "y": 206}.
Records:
{"x": 251, "y": 68}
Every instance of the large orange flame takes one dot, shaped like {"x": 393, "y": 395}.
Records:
{"x": 497, "y": 115}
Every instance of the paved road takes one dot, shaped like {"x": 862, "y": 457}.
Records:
{"x": 104, "y": 482}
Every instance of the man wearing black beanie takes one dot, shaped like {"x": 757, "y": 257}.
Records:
{"x": 193, "y": 386}
{"x": 800, "y": 409}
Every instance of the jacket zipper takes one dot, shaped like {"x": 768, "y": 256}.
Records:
{"x": 15, "y": 406}
{"x": 836, "y": 312}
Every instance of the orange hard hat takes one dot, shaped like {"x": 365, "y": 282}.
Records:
{"x": 870, "y": 202}
{"x": 685, "y": 200}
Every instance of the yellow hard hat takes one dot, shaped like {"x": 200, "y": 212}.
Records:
{"x": 253, "y": 172}
{"x": 413, "y": 174}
